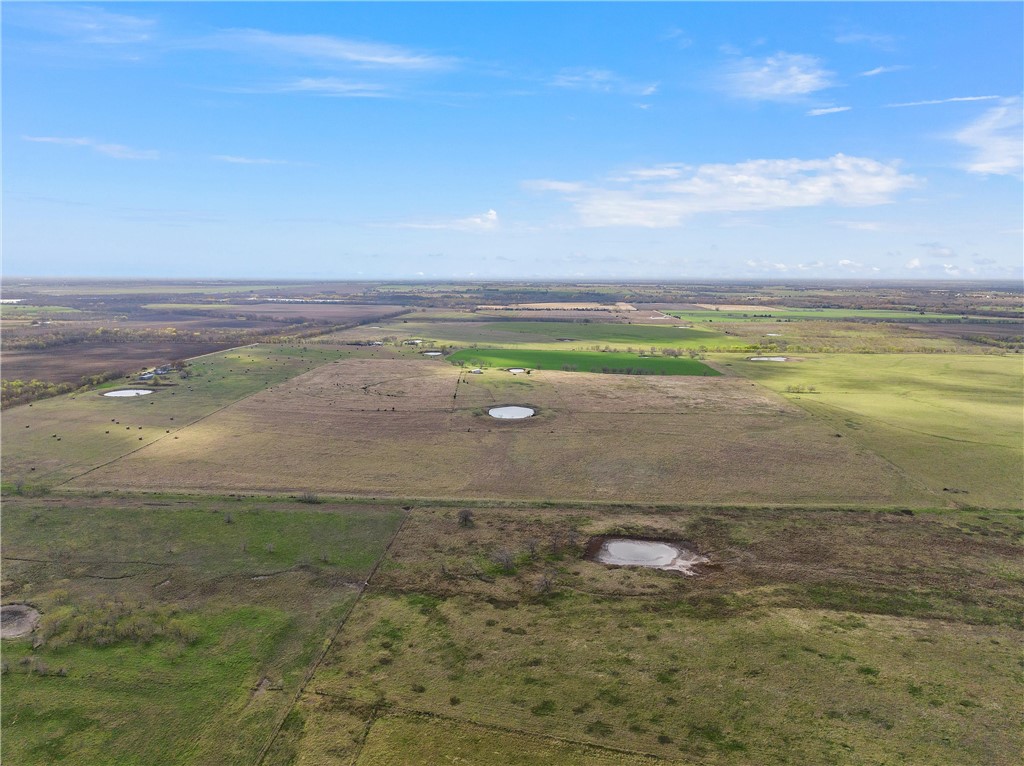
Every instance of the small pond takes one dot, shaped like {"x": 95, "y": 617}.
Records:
{"x": 17, "y": 620}
{"x": 431, "y": 353}
{"x": 768, "y": 359}
{"x": 629, "y": 552}
{"x": 129, "y": 392}
{"x": 511, "y": 412}
{"x": 515, "y": 370}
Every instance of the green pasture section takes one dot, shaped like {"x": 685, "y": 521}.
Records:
{"x": 412, "y": 740}
{"x": 65, "y": 436}
{"x": 27, "y": 311}
{"x": 952, "y": 422}
{"x": 581, "y": 335}
{"x": 815, "y": 637}
{"x": 254, "y": 588}
{"x": 837, "y": 336}
{"x": 580, "y": 361}
{"x": 754, "y": 315}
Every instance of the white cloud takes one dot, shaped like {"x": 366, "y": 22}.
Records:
{"x": 859, "y": 225}
{"x": 601, "y": 81}
{"x": 483, "y": 222}
{"x": 235, "y": 160}
{"x": 873, "y": 39}
{"x": 882, "y": 70}
{"x": 996, "y": 139}
{"x": 828, "y": 110}
{"x": 781, "y": 77}
{"x": 849, "y": 265}
{"x": 913, "y": 263}
{"x": 83, "y": 24}
{"x": 666, "y": 195}
{"x": 954, "y": 100}
{"x": 328, "y": 49}
{"x": 117, "y": 151}
{"x": 326, "y": 86}
{"x": 938, "y": 250}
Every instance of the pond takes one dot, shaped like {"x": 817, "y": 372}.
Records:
{"x": 511, "y": 412}
{"x": 515, "y": 370}
{"x": 768, "y": 359}
{"x": 129, "y": 392}
{"x": 431, "y": 353}
{"x": 655, "y": 554}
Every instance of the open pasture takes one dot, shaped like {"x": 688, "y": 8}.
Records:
{"x": 418, "y": 428}
{"x": 173, "y": 630}
{"x": 52, "y": 440}
{"x": 285, "y": 310}
{"x": 811, "y": 637}
{"x": 760, "y": 314}
{"x": 950, "y": 422}
{"x": 583, "y": 361}
{"x": 574, "y": 336}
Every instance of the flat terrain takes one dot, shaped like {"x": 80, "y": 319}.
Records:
{"x": 51, "y": 441}
{"x": 952, "y": 422}
{"x": 319, "y": 551}
{"x": 811, "y": 637}
{"x": 581, "y": 361}
{"x": 417, "y": 427}
{"x": 174, "y": 631}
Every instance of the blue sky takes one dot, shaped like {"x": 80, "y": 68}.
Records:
{"x": 513, "y": 140}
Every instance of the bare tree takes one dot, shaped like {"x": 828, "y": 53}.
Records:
{"x": 504, "y": 559}
{"x": 465, "y": 518}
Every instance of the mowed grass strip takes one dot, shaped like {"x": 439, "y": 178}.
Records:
{"x": 173, "y": 631}
{"x": 581, "y": 361}
{"x": 760, "y": 315}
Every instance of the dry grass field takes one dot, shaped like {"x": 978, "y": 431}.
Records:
{"x": 417, "y": 427}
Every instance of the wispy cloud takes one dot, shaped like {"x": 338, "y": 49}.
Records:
{"x": 328, "y": 49}
{"x": 996, "y": 139}
{"x": 335, "y": 87}
{"x": 117, "y": 151}
{"x": 482, "y": 222}
{"x": 667, "y": 195}
{"x": 601, "y": 81}
{"x": 954, "y": 100}
{"x": 858, "y": 225}
{"x": 828, "y": 110}
{"x": 236, "y": 160}
{"x": 882, "y": 70}
{"x": 873, "y": 39}
{"x": 780, "y": 77}
{"x": 83, "y": 24}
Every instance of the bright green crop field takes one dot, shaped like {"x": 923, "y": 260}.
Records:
{"x": 581, "y": 361}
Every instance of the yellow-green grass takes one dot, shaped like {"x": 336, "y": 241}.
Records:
{"x": 251, "y": 589}
{"x": 579, "y": 336}
{"x": 814, "y": 637}
{"x": 419, "y": 428}
{"x": 841, "y": 337}
{"x": 50, "y": 441}
{"x": 582, "y": 361}
{"x": 952, "y": 423}
{"x": 28, "y": 311}
{"x": 760, "y": 315}
{"x": 411, "y": 740}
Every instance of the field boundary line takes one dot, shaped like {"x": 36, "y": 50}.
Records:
{"x": 315, "y": 665}
{"x": 407, "y": 712}
{"x": 200, "y": 419}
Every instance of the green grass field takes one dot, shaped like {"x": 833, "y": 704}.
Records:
{"x": 174, "y": 630}
{"x": 576, "y": 336}
{"x": 815, "y": 637}
{"x": 581, "y": 361}
{"x": 951, "y": 422}
{"x": 782, "y": 313}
